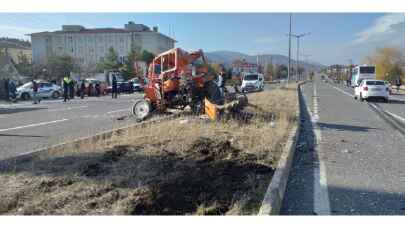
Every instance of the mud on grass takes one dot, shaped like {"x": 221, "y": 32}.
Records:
{"x": 191, "y": 166}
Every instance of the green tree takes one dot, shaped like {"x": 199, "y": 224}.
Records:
{"x": 110, "y": 62}
{"x": 147, "y": 57}
{"x": 282, "y": 71}
{"x": 60, "y": 66}
{"x": 23, "y": 66}
{"x": 128, "y": 70}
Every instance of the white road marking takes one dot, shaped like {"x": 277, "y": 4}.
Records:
{"x": 392, "y": 114}
{"x": 397, "y": 98}
{"x": 396, "y": 116}
{"x": 120, "y": 110}
{"x": 321, "y": 196}
{"x": 33, "y": 125}
{"x": 67, "y": 109}
{"x": 344, "y": 92}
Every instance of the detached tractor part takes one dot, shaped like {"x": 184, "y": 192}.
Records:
{"x": 141, "y": 109}
{"x": 216, "y": 112}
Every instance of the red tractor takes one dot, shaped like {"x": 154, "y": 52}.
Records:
{"x": 177, "y": 79}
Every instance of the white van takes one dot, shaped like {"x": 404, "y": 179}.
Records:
{"x": 362, "y": 72}
{"x": 252, "y": 82}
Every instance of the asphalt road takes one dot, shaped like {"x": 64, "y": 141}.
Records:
{"x": 348, "y": 159}
{"x": 25, "y": 127}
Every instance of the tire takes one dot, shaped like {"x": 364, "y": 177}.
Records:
{"x": 25, "y": 96}
{"x": 55, "y": 95}
{"x": 141, "y": 109}
{"x": 386, "y": 100}
{"x": 361, "y": 98}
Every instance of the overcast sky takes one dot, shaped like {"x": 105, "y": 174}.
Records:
{"x": 334, "y": 38}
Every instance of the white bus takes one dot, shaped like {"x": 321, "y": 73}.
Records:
{"x": 362, "y": 72}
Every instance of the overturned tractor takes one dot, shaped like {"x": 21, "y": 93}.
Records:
{"x": 178, "y": 79}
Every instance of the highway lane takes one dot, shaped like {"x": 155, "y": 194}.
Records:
{"x": 395, "y": 106}
{"x": 348, "y": 161}
{"x": 25, "y": 127}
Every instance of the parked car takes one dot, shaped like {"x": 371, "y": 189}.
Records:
{"x": 123, "y": 87}
{"x": 252, "y": 82}
{"x": 45, "y": 90}
{"x": 137, "y": 86}
{"x": 370, "y": 88}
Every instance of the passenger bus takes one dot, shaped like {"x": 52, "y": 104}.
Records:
{"x": 362, "y": 72}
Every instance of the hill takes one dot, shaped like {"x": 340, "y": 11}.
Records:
{"x": 227, "y": 57}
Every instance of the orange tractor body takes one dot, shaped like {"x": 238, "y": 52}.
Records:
{"x": 176, "y": 79}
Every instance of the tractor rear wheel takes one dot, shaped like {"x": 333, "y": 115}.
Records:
{"x": 141, "y": 109}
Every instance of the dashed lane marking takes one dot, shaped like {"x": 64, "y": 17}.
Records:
{"x": 33, "y": 125}
{"x": 67, "y": 109}
{"x": 321, "y": 196}
{"x": 120, "y": 110}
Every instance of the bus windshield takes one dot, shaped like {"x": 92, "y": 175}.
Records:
{"x": 367, "y": 70}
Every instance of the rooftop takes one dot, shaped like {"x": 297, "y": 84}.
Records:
{"x": 128, "y": 28}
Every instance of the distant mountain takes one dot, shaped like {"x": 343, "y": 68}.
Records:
{"x": 227, "y": 57}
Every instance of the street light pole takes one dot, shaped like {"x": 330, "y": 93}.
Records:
{"x": 298, "y": 50}
{"x": 289, "y": 52}
{"x": 305, "y": 56}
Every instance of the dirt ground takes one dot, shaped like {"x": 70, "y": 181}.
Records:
{"x": 186, "y": 166}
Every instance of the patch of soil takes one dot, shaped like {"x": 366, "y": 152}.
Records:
{"x": 211, "y": 173}
{"x": 136, "y": 181}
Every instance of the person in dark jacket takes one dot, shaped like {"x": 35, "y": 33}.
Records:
{"x": 12, "y": 91}
{"x": 398, "y": 83}
{"x": 82, "y": 89}
{"x": 114, "y": 87}
{"x": 35, "y": 92}
{"x": 97, "y": 87}
{"x": 90, "y": 92}
{"x": 6, "y": 89}
{"x": 72, "y": 89}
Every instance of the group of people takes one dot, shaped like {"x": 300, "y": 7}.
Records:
{"x": 69, "y": 89}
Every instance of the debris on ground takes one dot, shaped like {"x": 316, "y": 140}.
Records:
{"x": 198, "y": 167}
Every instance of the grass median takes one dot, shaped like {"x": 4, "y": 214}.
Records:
{"x": 184, "y": 166}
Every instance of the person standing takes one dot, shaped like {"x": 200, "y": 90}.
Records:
{"x": 97, "y": 86}
{"x": 114, "y": 87}
{"x": 35, "y": 92}
{"x": 82, "y": 89}
{"x": 12, "y": 90}
{"x": 66, "y": 83}
{"x": 398, "y": 83}
{"x": 220, "y": 83}
{"x": 71, "y": 89}
{"x": 6, "y": 89}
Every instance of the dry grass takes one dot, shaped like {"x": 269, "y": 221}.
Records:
{"x": 186, "y": 166}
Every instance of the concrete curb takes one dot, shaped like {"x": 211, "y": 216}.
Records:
{"x": 108, "y": 134}
{"x": 273, "y": 198}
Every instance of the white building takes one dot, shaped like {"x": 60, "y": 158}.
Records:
{"x": 89, "y": 46}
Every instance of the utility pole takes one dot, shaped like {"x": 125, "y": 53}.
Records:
{"x": 298, "y": 50}
{"x": 289, "y": 51}
{"x": 306, "y": 60}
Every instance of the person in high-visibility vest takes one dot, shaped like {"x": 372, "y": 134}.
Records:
{"x": 66, "y": 83}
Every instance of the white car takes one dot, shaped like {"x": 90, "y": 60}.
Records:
{"x": 252, "y": 82}
{"x": 45, "y": 90}
{"x": 371, "y": 88}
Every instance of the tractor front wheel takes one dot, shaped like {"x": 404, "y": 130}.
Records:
{"x": 141, "y": 109}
